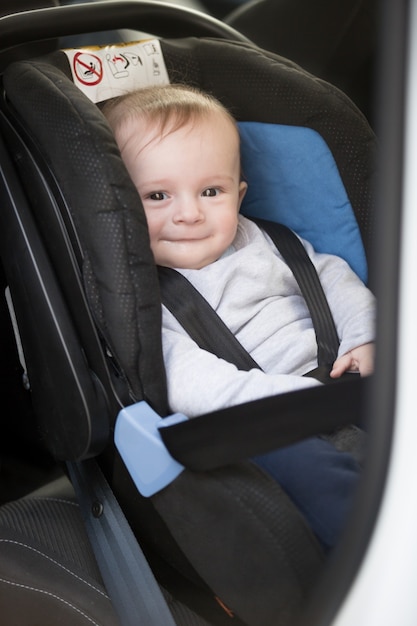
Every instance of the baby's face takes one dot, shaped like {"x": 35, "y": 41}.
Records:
{"x": 189, "y": 183}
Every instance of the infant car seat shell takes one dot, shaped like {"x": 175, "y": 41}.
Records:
{"x": 97, "y": 211}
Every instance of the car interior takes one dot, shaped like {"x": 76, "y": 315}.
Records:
{"x": 80, "y": 317}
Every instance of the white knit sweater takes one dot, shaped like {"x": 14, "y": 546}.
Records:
{"x": 256, "y": 295}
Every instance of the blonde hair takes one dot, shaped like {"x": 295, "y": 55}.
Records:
{"x": 169, "y": 107}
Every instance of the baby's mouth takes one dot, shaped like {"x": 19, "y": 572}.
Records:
{"x": 186, "y": 239}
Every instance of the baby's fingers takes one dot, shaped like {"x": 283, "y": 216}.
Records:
{"x": 342, "y": 365}
{"x": 366, "y": 366}
{"x": 363, "y": 356}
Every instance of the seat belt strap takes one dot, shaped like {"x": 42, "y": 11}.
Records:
{"x": 297, "y": 259}
{"x": 208, "y": 330}
{"x": 132, "y": 587}
{"x": 200, "y": 320}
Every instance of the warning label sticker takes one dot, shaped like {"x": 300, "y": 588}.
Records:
{"x": 109, "y": 71}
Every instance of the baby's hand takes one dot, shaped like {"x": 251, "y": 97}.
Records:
{"x": 360, "y": 359}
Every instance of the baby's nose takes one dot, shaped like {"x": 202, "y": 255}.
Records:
{"x": 189, "y": 211}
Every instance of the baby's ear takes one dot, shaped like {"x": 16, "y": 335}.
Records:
{"x": 243, "y": 185}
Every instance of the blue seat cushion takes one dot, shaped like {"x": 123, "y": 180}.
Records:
{"x": 293, "y": 179}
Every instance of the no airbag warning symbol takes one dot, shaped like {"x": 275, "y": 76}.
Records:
{"x": 88, "y": 68}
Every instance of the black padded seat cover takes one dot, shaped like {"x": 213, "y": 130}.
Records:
{"x": 117, "y": 264}
{"x": 47, "y": 569}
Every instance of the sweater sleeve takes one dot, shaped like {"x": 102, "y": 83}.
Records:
{"x": 200, "y": 382}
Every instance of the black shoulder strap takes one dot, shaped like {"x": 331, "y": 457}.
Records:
{"x": 297, "y": 259}
{"x": 200, "y": 320}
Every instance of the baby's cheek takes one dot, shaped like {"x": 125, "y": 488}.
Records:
{"x": 153, "y": 226}
{"x": 158, "y": 257}
{"x": 153, "y": 242}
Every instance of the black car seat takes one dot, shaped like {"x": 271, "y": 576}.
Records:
{"x": 75, "y": 249}
{"x": 20, "y": 435}
{"x": 336, "y": 41}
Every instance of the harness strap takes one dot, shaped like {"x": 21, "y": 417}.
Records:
{"x": 239, "y": 432}
{"x": 200, "y": 320}
{"x": 209, "y": 331}
{"x": 297, "y": 259}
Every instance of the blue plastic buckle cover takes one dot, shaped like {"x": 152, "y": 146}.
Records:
{"x": 141, "y": 447}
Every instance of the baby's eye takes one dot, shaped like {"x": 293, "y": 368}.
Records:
{"x": 210, "y": 192}
{"x": 157, "y": 195}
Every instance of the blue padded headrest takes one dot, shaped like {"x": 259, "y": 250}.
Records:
{"x": 293, "y": 179}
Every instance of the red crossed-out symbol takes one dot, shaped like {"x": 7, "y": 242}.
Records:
{"x": 88, "y": 68}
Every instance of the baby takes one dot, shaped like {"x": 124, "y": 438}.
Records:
{"x": 181, "y": 149}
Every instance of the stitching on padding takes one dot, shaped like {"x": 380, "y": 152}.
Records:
{"x": 52, "y": 595}
{"x": 53, "y": 499}
{"x": 23, "y": 545}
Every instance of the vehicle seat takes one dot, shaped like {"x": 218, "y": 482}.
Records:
{"x": 48, "y": 572}
{"x": 336, "y": 41}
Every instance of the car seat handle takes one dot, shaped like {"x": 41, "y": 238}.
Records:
{"x": 163, "y": 20}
